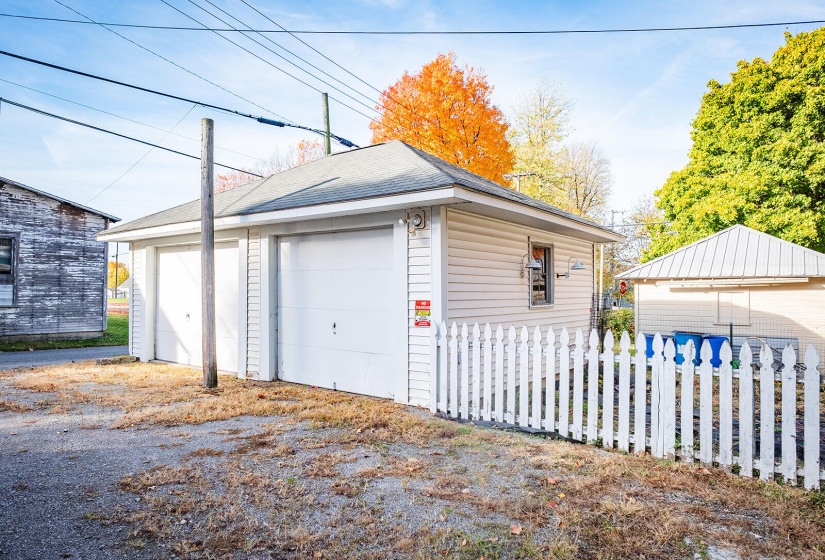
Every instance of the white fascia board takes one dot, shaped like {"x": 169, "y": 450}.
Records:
{"x": 424, "y": 198}
{"x": 730, "y": 282}
{"x": 592, "y": 233}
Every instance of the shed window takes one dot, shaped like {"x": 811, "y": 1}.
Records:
{"x": 541, "y": 281}
{"x": 7, "y": 271}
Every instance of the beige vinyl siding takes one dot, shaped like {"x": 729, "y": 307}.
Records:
{"x": 136, "y": 295}
{"x": 485, "y": 259}
{"x": 253, "y": 302}
{"x": 419, "y": 287}
{"x": 785, "y": 311}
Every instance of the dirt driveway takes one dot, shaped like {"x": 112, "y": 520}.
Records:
{"x": 137, "y": 461}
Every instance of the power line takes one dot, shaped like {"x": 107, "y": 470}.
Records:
{"x": 171, "y": 62}
{"x": 264, "y": 60}
{"x": 448, "y": 32}
{"x": 305, "y": 61}
{"x": 386, "y": 108}
{"x": 170, "y": 132}
{"x": 262, "y": 120}
{"x": 99, "y": 129}
{"x": 144, "y": 156}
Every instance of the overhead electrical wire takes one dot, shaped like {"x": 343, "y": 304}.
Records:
{"x": 262, "y": 120}
{"x": 144, "y": 156}
{"x": 448, "y": 32}
{"x": 379, "y": 104}
{"x": 147, "y": 125}
{"x": 99, "y": 129}
{"x": 172, "y": 62}
{"x": 265, "y": 61}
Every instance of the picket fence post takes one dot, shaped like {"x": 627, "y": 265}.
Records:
{"x": 788, "y": 468}
{"x": 465, "y": 373}
{"x": 656, "y": 396}
{"x": 550, "y": 388}
{"x": 640, "y": 397}
{"x": 812, "y": 433}
{"x": 688, "y": 387}
{"x": 488, "y": 373}
{"x": 564, "y": 383}
{"x": 476, "y": 375}
{"x": 535, "y": 416}
{"x": 706, "y": 404}
{"x": 667, "y": 417}
{"x": 523, "y": 380}
{"x": 623, "y": 437}
{"x": 593, "y": 388}
{"x": 578, "y": 386}
{"x": 443, "y": 372}
{"x": 499, "y": 374}
{"x": 767, "y": 400}
{"x": 746, "y": 446}
{"x": 510, "y": 414}
{"x": 726, "y": 406}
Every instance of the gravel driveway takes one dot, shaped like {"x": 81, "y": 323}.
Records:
{"x": 136, "y": 461}
{"x": 13, "y": 360}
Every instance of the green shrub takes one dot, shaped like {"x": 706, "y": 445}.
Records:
{"x": 619, "y": 320}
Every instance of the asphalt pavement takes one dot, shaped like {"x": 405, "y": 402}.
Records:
{"x": 12, "y": 360}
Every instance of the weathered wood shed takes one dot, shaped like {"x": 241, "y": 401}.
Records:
{"x": 52, "y": 268}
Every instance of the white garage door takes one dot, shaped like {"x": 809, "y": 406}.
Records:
{"x": 336, "y": 317}
{"x": 178, "y": 313}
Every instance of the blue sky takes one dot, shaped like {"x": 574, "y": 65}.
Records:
{"x": 635, "y": 94}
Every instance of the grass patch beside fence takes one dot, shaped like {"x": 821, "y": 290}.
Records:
{"x": 117, "y": 334}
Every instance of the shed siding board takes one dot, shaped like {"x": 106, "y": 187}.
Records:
{"x": 253, "y": 302}
{"x": 61, "y": 271}
{"x": 419, "y": 287}
{"x": 485, "y": 284}
{"x": 785, "y": 311}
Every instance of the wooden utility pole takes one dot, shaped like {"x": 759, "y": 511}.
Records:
{"x": 327, "y": 143}
{"x": 210, "y": 361}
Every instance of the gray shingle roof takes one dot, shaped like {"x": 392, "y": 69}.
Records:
{"x": 379, "y": 170}
{"x": 736, "y": 252}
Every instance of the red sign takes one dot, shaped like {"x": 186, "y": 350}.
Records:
{"x": 622, "y": 287}
{"x": 422, "y": 313}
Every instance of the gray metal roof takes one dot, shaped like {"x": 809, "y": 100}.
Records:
{"x": 736, "y": 252}
{"x": 59, "y": 199}
{"x": 380, "y": 170}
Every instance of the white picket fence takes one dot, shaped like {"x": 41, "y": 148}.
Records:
{"x": 483, "y": 375}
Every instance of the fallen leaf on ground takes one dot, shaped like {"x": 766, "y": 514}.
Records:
{"x": 515, "y": 529}
{"x": 553, "y": 504}
{"x": 552, "y": 481}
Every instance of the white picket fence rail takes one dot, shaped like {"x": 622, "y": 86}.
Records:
{"x": 483, "y": 375}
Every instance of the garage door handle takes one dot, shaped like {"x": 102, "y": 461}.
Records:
{"x": 187, "y": 316}
{"x": 333, "y": 328}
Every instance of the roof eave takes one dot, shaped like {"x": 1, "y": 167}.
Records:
{"x": 59, "y": 199}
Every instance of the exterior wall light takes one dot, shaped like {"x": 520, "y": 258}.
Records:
{"x": 533, "y": 264}
{"x": 576, "y": 266}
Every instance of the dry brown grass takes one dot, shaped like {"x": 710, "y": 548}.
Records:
{"x": 12, "y": 406}
{"x": 599, "y": 504}
{"x": 169, "y": 395}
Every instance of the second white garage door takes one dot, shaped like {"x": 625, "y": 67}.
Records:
{"x": 336, "y": 318}
{"x": 178, "y": 319}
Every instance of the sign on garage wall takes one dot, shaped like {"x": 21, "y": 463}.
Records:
{"x": 422, "y": 313}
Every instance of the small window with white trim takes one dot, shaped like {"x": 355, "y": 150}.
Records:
{"x": 8, "y": 272}
{"x": 541, "y": 279}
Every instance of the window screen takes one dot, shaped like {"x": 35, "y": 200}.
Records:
{"x": 541, "y": 281}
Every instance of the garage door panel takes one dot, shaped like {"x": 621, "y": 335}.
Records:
{"x": 343, "y": 290}
{"x": 311, "y": 252}
{"x": 343, "y": 279}
{"x": 178, "y": 314}
{"x": 313, "y": 327}
{"x": 355, "y": 372}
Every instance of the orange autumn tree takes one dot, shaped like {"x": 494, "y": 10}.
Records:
{"x": 304, "y": 152}
{"x": 446, "y": 110}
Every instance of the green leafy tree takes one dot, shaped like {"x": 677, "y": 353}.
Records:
{"x": 122, "y": 275}
{"x": 758, "y": 155}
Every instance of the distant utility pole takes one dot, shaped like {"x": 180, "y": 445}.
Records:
{"x": 327, "y": 144}
{"x": 518, "y": 176}
{"x": 210, "y": 360}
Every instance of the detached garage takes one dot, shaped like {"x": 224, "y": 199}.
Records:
{"x": 331, "y": 273}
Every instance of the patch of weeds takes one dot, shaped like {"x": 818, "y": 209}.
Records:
{"x": 203, "y": 452}
{"x": 11, "y": 406}
{"x": 92, "y": 516}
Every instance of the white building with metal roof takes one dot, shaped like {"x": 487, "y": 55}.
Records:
{"x": 331, "y": 273}
{"x": 739, "y": 279}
